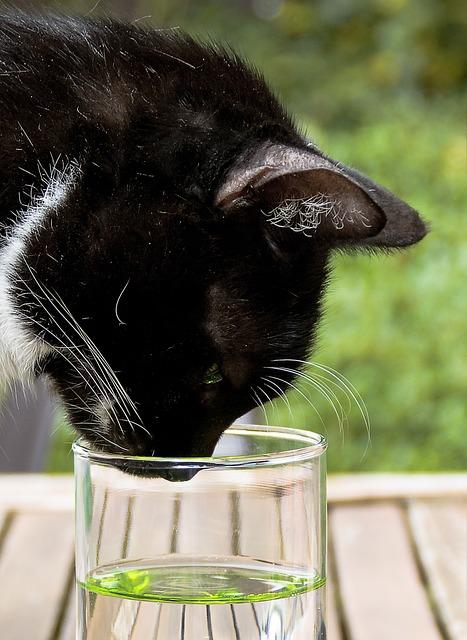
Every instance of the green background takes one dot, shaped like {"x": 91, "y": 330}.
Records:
{"x": 379, "y": 85}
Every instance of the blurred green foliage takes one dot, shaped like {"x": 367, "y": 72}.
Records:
{"x": 380, "y": 85}
{"x": 395, "y": 325}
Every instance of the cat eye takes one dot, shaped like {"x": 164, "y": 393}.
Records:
{"x": 213, "y": 375}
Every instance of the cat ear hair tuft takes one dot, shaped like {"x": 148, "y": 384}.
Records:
{"x": 308, "y": 193}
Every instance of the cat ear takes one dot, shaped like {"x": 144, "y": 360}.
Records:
{"x": 304, "y": 191}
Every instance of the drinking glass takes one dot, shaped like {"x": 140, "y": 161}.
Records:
{"x": 230, "y": 547}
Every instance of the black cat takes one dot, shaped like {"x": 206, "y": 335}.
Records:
{"x": 167, "y": 229}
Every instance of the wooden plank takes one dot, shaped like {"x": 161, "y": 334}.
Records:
{"x": 147, "y": 621}
{"x": 37, "y": 492}
{"x": 440, "y": 531}
{"x": 381, "y": 592}
{"x": 136, "y": 527}
{"x": 260, "y": 537}
{"x": 195, "y": 624}
{"x": 377, "y": 486}
{"x": 260, "y": 532}
{"x": 152, "y": 524}
{"x": 222, "y": 625}
{"x": 204, "y": 524}
{"x": 127, "y": 620}
{"x": 55, "y": 492}
{"x": 332, "y": 616}
{"x": 35, "y": 567}
{"x": 300, "y": 544}
{"x": 123, "y": 619}
{"x": 171, "y": 622}
{"x": 209, "y": 527}
{"x": 151, "y": 533}
{"x": 99, "y": 503}
{"x": 294, "y": 527}
{"x": 244, "y": 619}
{"x": 3, "y": 520}
{"x": 113, "y": 526}
{"x": 68, "y": 627}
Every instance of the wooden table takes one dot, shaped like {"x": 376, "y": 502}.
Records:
{"x": 397, "y": 570}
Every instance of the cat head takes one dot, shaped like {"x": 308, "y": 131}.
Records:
{"x": 185, "y": 255}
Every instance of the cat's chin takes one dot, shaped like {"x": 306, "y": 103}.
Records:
{"x": 143, "y": 466}
{"x": 151, "y": 471}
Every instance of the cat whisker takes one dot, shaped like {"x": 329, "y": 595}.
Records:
{"x": 111, "y": 442}
{"x": 333, "y": 399}
{"x": 64, "y": 348}
{"x": 326, "y": 382}
{"x": 339, "y": 411}
{"x": 341, "y": 381}
{"x": 110, "y": 380}
{"x": 345, "y": 383}
{"x": 276, "y": 388}
{"x": 120, "y": 321}
{"x": 259, "y": 404}
{"x": 90, "y": 382}
{"x": 50, "y": 297}
{"x": 84, "y": 365}
{"x": 268, "y": 399}
{"x": 133, "y": 424}
{"x": 299, "y": 391}
{"x": 84, "y": 424}
{"x": 104, "y": 366}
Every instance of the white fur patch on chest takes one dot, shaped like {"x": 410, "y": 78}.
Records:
{"x": 19, "y": 348}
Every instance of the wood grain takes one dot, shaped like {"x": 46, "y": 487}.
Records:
{"x": 195, "y": 625}
{"x": 381, "y": 591}
{"x": 151, "y": 535}
{"x": 151, "y": 525}
{"x": 204, "y": 524}
{"x": 260, "y": 533}
{"x": 440, "y": 532}
{"x": 378, "y": 583}
{"x": 68, "y": 627}
{"x": 171, "y": 623}
{"x": 55, "y": 492}
{"x": 3, "y": 520}
{"x": 112, "y": 533}
{"x": 359, "y": 487}
{"x": 36, "y": 491}
{"x": 35, "y": 566}
{"x": 332, "y": 612}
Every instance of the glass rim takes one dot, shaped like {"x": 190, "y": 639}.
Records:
{"x": 314, "y": 445}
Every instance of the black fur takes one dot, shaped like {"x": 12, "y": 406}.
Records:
{"x": 159, "y": 126}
